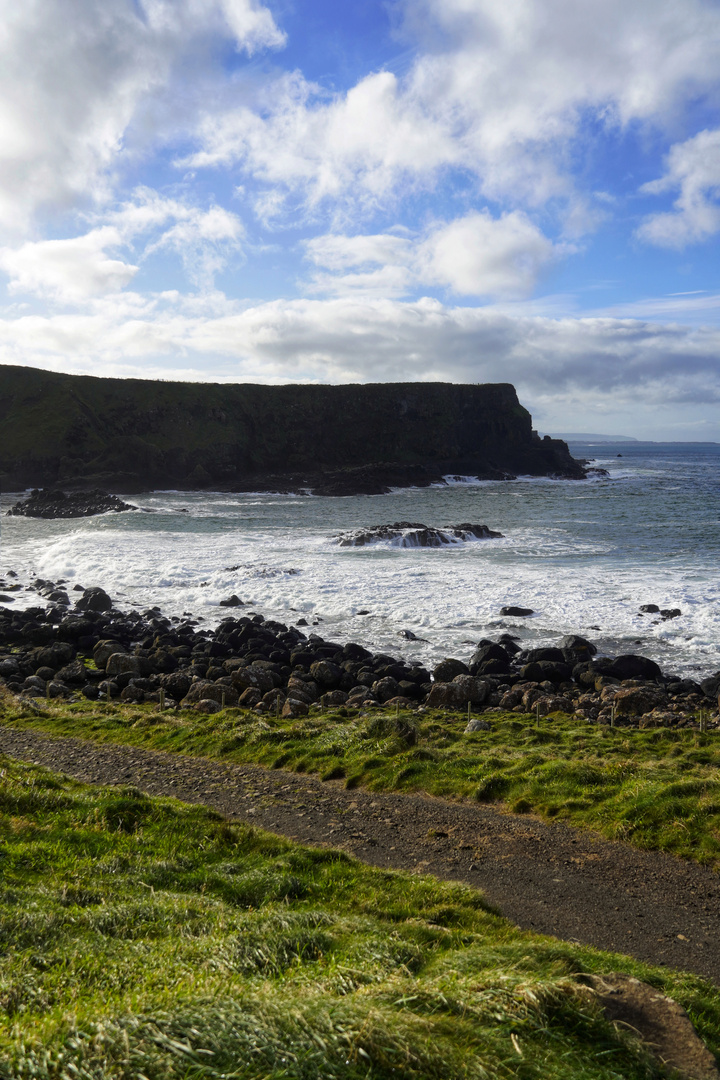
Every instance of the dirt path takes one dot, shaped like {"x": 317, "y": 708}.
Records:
{"x": 550, "y": 878}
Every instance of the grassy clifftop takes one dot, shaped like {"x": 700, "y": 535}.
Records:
{"x": 131, "y": 433}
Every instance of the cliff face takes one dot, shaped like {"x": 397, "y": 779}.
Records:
{"x": 130, "y": 434}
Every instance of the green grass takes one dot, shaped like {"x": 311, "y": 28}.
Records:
{"x": 658, "y": 789}
{"x": 144, "y": 938}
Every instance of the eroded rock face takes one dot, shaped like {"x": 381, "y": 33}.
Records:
{"x": 46, "y": 503}
{"x": 413, "y": 534}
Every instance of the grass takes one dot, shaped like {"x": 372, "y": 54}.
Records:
{"x": 145, "y": 939}
{"x": 657, "y": 789}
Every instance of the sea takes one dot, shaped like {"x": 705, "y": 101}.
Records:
{"x": 583, "y": 555}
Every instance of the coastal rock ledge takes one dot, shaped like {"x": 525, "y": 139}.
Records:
{"x": 56, "y": 504}
{"x": 412, "y": 534}
{"x": 76, "y": 432}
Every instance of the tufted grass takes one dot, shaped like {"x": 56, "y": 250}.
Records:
{"x": 144, "y": 938}
{"x": 657, "y": 789}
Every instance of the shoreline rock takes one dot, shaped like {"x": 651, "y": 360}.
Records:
{"x": 412, "y": 534}
{"x": 261, "y": 664}
{"x": 51, "y": 503}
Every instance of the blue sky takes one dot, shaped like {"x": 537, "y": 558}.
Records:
{"x": 460, "y": 190}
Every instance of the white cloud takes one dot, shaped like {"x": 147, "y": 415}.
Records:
{"x": 73, "y": 74}
{"x": 500, "y": 90}
{"x": 74, "y": 269}
{"x": 693, "y": 167}
{"x": 561, "y": 367}
{"x": 476, "y": 255}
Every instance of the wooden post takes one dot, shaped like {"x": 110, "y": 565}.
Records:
{"x": 162, "y": 699}
{"x": 222, "y": 700}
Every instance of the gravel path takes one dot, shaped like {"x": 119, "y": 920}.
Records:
{"x": 550, "y": 878}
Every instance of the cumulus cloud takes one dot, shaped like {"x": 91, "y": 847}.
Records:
{"x": 73, "y": 75}
{"x": 80, "y": 267}
{"x": 73, "y": 269}
{"x": 476, "y": 255}
{"x": 693, "y": 168}
{"x": 500, "y": 90}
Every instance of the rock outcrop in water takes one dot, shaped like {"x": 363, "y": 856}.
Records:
{"x": 48, "y": 503}
{"x": 130, "y": 435}
{"x": 412, "y": 534}
{"x": 266, "y": 666}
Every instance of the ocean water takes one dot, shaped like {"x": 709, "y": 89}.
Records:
{"x": 584, "y": 555}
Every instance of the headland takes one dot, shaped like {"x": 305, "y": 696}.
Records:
{"x": 132, "y": 435}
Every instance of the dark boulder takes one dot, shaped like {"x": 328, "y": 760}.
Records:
{"x": 447, "y": 669}
{"x": 545, "y": 653}
{"x": 232, "y": 601}
{"x": 546, "y": 671}
{"x": 633, "y": 667}
{"x": 94, "y": 600}
{"x": 326, "y": 673}
{"x": 516, "y": 611}
{"x": 577, "y": 645}
{"x": 711, "y": 686}
{"x": 491, "y": 651}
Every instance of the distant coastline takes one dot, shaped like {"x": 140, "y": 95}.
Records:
{"x": 584, "y": 438}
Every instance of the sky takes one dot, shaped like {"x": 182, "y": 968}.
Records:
{"x": 470, "y": 191}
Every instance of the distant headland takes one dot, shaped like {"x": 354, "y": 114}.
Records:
{"x": 132, "y": 435}
{"x": 586, "y": 437}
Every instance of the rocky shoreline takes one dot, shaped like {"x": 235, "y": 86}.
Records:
{"x": 92, "y": 650}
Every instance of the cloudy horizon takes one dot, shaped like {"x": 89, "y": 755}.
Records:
{"x": 454, "y": 190}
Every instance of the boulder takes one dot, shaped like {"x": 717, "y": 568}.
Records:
{"x": 258, "y": 678}
{"x": 73, "y": 674}
{"x": 249, "y": 698}
{"x": 711, "y": 686}
{"x": 489, "y": 651}
{"x": 516, "y": 611}
{"x": 545, "y": 652}
{"x": 446, "y": 696}
{"x": 326, "y": 673}
{"x": 475, "y": 691}
{"x": 176, "y": 684}
{"x": 333, "y": 698}
{"x": 120, "y": 663}
{"x": 294, "y": 708}
{"x": 447, "y": 669}
{"x": 207, "y": 705}
{"x": 384, "y": 689}
{"x": 232, "y": 601}
{"x": 55, "y": 655}
{"x": 633, "y": 667}
{"x": 638, "y": 700}
{"x": 95, "y": 599}
{"x": 551, "y": 704}
{"x": 104, "y": 650}
{"x": 477, "y": 725}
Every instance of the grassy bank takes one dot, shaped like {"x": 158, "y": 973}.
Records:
{"x": 658, "y": 789}
{"x": 144, "y": 938}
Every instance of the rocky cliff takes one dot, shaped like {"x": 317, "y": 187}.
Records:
{"x": 130, "y": 435}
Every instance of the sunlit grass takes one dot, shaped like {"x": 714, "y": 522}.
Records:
{"x": 142, "y": 937}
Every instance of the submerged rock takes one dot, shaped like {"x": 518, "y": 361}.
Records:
{"x": 413, "y": 534}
